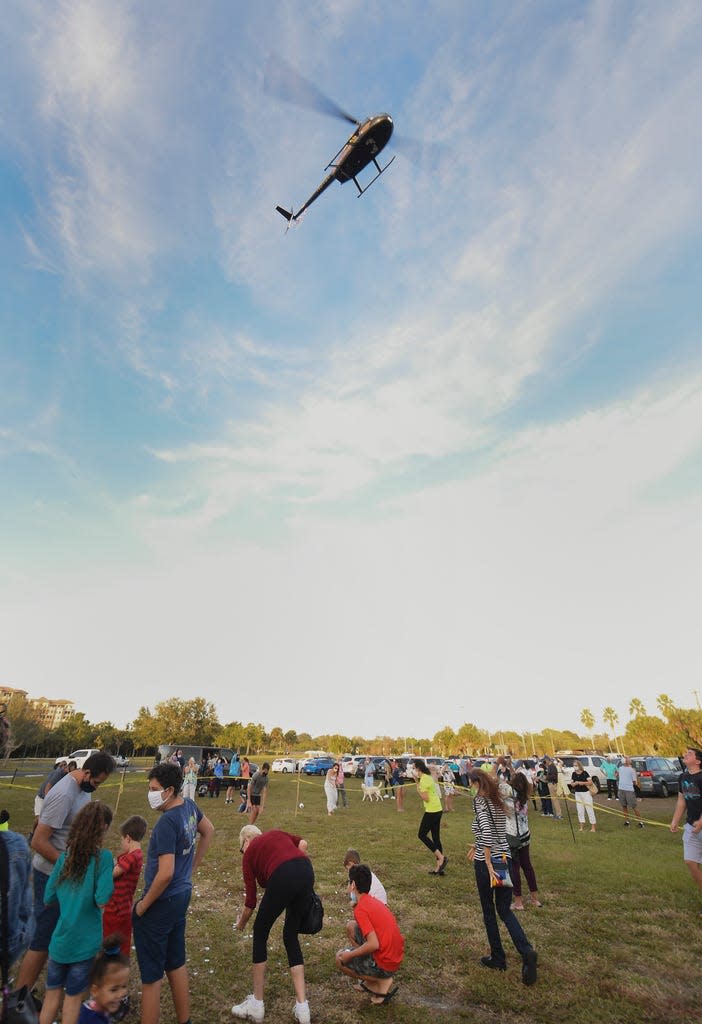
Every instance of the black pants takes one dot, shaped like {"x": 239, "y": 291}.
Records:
{"x": 498, "y": 899}
{"x": 288, "y": 890}
{"x": 612, "y": 789}
{"x": 431, "y": 823}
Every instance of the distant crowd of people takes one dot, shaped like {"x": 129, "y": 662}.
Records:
{"x": 76, "y": 909}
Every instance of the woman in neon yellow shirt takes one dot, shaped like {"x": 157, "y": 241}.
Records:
{"x": 430, "y": 825}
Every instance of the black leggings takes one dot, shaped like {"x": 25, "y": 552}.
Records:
{"x": 431, "y": 822}
{"x": 287, "y": 890}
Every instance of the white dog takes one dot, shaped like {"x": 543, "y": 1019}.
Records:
{"x": 370, "y": 792}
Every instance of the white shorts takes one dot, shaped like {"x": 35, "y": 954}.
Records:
{"x": 692, "y": 845}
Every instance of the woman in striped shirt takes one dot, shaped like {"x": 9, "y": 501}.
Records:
{"x": 489, "y": 828}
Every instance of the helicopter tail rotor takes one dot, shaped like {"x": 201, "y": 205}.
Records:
{"x": 288, "y": 214}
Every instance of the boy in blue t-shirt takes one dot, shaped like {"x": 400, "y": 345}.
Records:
{"x": 159, "y": 916}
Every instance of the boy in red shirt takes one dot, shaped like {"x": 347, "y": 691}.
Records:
{"x": 378, "y": 945}
{"x": 117, "y": 916}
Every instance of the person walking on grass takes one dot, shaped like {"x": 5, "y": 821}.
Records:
{"x": 516, "y": 800}
{"x": 552, "y": 780}
{"x": 330, "y": 788}
{"x": 580, "y": 781}
{"x": 257, "y": 792}
{"x": 628, "y": 781}
{"x": 397, "y": 784}
{"x": 490, "y": 830}
{"x": 278, "y": 862}
{"x": 178, "y": 844}
{"x": 430, "y": 825}
{"x": 689, "y": 803}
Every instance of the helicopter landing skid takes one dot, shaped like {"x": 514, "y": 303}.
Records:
{"x": 380, "y": 171}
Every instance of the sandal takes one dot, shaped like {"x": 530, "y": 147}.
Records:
{"x": 379, "y": 1000}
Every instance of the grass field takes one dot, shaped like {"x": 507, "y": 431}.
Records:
{"x": 619, "y": 937}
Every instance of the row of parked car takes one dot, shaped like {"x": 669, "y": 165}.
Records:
{"x": 657, "y": 776}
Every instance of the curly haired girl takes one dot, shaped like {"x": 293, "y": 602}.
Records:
{"x": 81, "y": 883}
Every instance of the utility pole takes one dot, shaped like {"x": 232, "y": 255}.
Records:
{"x": 697, "y": 700}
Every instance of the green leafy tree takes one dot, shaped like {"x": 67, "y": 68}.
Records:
{"x": 74, "y": 733}
{"x": 647, "y": 734}
{"x": 233, "y": 736}
{"x": 255, "y": 736}
{"x": 146, "y": 730}
{"x": 26, "y": 731}
{"x": 445, "y": 741}
{"x": 291, "y": 739}
{"x": 469, "y": 738}
{"x": 276, "y": 740}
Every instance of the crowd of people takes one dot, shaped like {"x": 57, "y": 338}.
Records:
{"x": 85, "y": 913}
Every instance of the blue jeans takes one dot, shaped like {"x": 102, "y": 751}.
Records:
{"x": 498, "y": 899}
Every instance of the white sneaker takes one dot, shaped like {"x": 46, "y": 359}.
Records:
{"x": 250, "y": 1009}
{"x": 301, "y": 1012}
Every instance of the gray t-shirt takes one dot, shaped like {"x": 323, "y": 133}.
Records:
{"x": 258, "y": 783}
{"x": 62, "y": 803}
{"x": 627, "y": 778}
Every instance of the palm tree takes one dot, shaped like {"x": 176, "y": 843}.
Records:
{"x": 664, "y": 704}
{"x": 636, "y": 708}
{"x": 588, "y": 720}
{"x": 611, "y": 718}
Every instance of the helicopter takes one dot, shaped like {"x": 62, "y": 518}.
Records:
{"x": 361, "y": 148}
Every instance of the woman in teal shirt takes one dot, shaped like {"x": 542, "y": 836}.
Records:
{"x": 81, "y": 882}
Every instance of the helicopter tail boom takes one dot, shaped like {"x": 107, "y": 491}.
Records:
{"x": 288, "y": 214}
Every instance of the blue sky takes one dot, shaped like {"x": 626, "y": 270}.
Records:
{"x": 441, "y": 445}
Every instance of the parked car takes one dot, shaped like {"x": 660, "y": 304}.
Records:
{"x": 658, "y": 776}
{"x": 284, "y": 765}
{"x": 79, "y": 756}
{"x": 350, "y": 763}
{"x": 592, "y": 763}
{"x": 121, "y": 761}
{"x": 318, "y": 765}
{"x": 378, "y": 766}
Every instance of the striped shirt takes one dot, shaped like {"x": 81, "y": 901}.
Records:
{"x": 489, "y": 827}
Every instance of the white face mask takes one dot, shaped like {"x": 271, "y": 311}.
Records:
{"x": 155, "y": 798}
{"x": 353, "y": 898}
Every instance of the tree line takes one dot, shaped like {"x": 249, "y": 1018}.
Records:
{"x": 196, "y": 722}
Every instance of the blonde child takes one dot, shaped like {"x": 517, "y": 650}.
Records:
{"x": 117, "y": 919}
{"x": 81, "y": 883}
{"x": 109, "y": 979}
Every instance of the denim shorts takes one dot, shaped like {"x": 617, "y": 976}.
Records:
{"x": 46, "y": 916}
{"x": 159, "y": 937}
{"x": 74, "y": 978}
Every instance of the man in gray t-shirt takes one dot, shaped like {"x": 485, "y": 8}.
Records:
{"x": 62, "y": 804}
{"x": 256, "y": 793}
{"x": 626, "y": 783}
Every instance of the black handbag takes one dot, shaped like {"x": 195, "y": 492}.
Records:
{"x": 313, "y": 916}
{"x": 21, "y": 1007}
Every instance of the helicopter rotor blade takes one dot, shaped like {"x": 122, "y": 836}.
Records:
{"x": 284, "y": 82}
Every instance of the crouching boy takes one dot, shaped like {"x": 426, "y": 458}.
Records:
{"x": 377, "y": 946}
